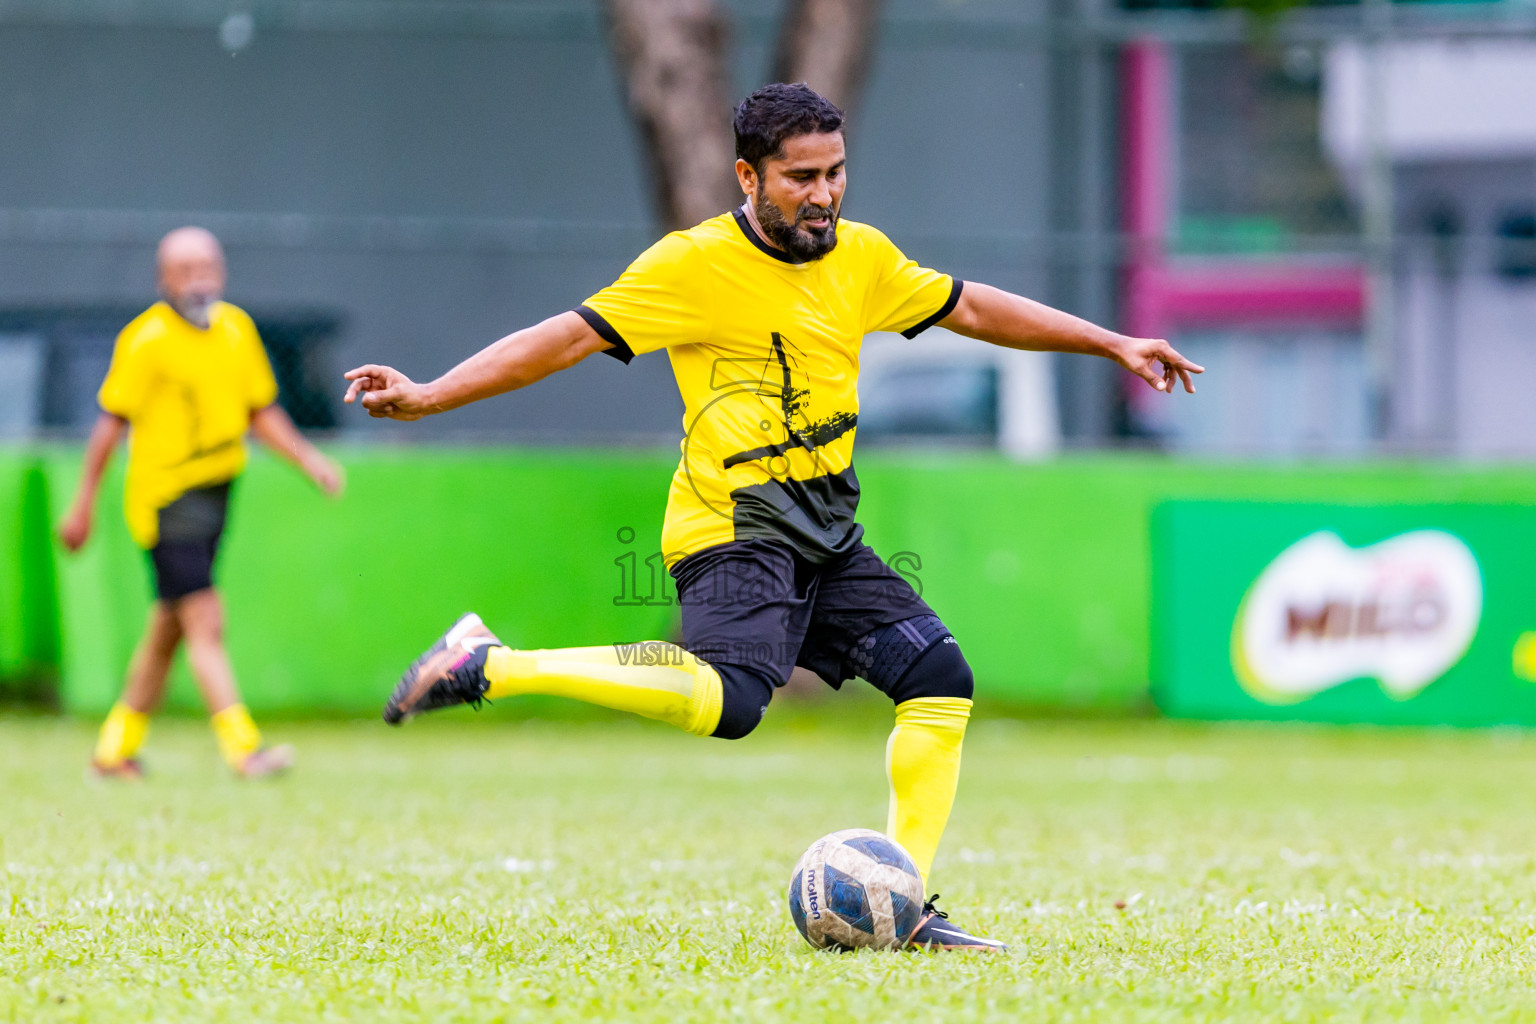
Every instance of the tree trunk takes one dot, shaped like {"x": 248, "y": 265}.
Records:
{"x": 827, "y": 44}
{"x": 672, "y": 55}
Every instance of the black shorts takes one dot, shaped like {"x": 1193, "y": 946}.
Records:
{"x": 190, "y": 529}
{"x": 759, "y": 605}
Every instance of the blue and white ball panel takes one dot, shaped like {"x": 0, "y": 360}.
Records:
{"x": 854, "y": 889}
{"x": 797, "y": 902}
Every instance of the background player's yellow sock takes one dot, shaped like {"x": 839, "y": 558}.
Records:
{"x": 237, "y": 734}
{"x": 121, "y": 735}
{"x": 922, "y": 760}
{"x": 654, "y": 679}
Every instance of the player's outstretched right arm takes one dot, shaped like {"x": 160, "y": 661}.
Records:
{"x": 1012, "y": 321}
{"x": 75, "y": 530}
{"x": 513, "y": 362}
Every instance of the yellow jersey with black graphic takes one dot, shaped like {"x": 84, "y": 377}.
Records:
{"x": 766, "y": 355}
{"x": 187, "y": 395}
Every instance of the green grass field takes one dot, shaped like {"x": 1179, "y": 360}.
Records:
{"x": 481, "y": 870}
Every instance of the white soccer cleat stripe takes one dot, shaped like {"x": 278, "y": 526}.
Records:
{"x": 463, "y": 628}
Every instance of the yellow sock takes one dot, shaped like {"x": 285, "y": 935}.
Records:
{"x": 654, "y": 679}
{"x": 922, "y": 760}
{"x": 121, "y": 736}
{"x": 236, "y": 733}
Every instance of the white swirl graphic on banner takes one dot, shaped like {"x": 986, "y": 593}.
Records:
{"x": 1402, "y": 612}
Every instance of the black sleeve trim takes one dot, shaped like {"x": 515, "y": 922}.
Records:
{"x": 604, "y": 329}
{"x": 943, "y": 311}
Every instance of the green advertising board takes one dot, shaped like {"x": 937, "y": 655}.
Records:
{"x": 1391, "y": 614}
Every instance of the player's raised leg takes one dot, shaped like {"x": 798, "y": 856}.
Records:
{"x": 706, "y": 696}
{"x": 126, "y": 726}
{"x": 653, "y": 679}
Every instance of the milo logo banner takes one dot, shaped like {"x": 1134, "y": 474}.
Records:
{"x": 1402, "y": 614}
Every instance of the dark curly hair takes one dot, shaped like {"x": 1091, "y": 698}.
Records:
{"x": 778, "y": 112}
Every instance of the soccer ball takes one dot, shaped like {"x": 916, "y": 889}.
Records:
{"x": 854, "y": 889}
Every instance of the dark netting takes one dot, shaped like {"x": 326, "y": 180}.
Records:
{"x": 299, "y": 348}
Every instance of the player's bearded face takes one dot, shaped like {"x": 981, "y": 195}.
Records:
{"x": 191, "y": 283}
{"x": 795, "y": 194}
{"x": 799, "y": 239}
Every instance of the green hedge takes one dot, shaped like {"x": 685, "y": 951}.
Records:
{"x": 1042, "y": 571}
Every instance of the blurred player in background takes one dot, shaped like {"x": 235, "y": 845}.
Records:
{"x": 188, "y": 378}
{"x": 762, "y": 311}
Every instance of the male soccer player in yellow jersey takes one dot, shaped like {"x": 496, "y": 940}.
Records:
{"x": 188, "y": 378}
{"x": 762, "y": 311}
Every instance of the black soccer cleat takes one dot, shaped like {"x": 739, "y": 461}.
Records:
{"x": 452, "y": 671}
{"x": 934, "y": 932}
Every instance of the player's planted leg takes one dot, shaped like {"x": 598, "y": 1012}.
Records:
{"x": 923, "y": 762}
{"x": 922, "y": 758}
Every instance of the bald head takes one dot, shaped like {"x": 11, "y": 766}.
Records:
{"x": 191, "y": 273}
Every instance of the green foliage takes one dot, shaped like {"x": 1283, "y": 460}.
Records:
{"x": 1266, "y": 13}
{"x": 465, "y": 869}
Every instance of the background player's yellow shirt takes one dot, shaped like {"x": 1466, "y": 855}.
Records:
{"x": 766, "y": 355}
{"x": 187, "y": 395}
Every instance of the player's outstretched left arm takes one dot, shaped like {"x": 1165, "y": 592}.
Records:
{"x": 1012, "y": 321}
{"x": 514, "y": 362}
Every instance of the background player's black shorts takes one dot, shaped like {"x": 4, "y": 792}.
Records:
{"x": 763, "y": 607}
{"x": 190, "y": 529}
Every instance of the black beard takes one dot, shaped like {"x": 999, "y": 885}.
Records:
{"x": 804, "y": 244}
